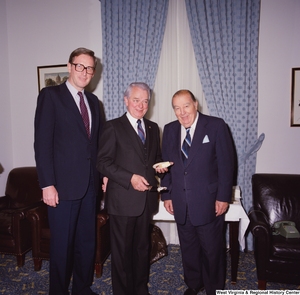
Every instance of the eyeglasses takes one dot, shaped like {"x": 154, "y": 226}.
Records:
{"x": 81, "y": 68}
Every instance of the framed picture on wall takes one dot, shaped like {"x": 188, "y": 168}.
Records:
{"x": 295, "y": 103}
{"x": 51, "y": 75}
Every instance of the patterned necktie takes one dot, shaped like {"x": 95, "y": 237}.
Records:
{"x": 186, "y": 145}
{"x": 141, "y": 132}
{"x": 84, "y": 114}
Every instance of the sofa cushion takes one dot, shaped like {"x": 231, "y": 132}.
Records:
{"x": 285, "y": 248}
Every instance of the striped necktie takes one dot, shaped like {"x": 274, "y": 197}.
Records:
{"x": 186, "y": 145}
{"x": 84, "y": 114}
{"x": 141, "y": 132}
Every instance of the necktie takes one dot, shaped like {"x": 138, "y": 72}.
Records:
{"x": 141, "y": 132}
{"x": 186, "y": 145}
{"x": 84, "y": 114}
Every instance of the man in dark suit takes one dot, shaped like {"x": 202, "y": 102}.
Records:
{"x": 127, "y": 160}
{"x": 67, "y": 124}
{"x": 199, "y": 189}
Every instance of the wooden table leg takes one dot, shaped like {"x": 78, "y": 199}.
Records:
{"x": 234, "y": 248}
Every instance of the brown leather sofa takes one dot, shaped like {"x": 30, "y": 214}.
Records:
{"x": 22, "y": 193}
{"x": 276, "y": 197}
{"x": 38, "y": 218}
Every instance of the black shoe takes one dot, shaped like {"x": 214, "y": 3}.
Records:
{"x": 191, "y": 291}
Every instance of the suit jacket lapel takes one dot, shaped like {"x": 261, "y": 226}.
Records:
{"x": 178, "y": 142}
{"x": 71, "y": 105}
{"x": 93, "y": 113}
{"x": 149, "y": 135}
{"x": 131, "y": 133}
{"x": 197, "y": 138}
{"x": 69, "y": 100}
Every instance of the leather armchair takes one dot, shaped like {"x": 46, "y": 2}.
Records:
{"x": 21, "y": 194}
{"x": 38, "y": 218}
{"x": 276, "y": 197}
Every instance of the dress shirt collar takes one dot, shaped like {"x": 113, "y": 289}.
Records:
{"x": 73, "y": 90}
{"x": 192, "y": 130}
{"x": 133, "y": 122}
{"x": 74, "y": 93}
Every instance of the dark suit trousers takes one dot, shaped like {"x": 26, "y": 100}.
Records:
{"x": 130, "y": 241}
{"x": 72, "y": 246}
{"x": 203, "y": 254}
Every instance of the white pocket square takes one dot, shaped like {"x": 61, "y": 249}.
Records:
{"x": 205, "y": 139}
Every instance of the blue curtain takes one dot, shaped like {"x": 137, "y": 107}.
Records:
{"x": 132, "y": 34}
{"x": 225, "y": 40}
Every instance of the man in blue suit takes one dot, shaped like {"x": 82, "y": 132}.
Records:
{"x": 199, "y": 190}
{"x": 67, "y": 124}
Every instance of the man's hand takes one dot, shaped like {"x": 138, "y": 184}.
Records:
{"x": 221, "y": 207}
{"x": 104, "y": 184}
{"x": 139, "y": 183}
{"x": 50, "y": 196}
{"x": 169, "y": 206}
{"x": 162, "y": 169}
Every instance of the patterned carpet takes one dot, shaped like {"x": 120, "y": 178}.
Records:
{"x": 165, "y": 276}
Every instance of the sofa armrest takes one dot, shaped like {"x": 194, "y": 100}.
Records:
{"x": 38, "y": 216}
{"x": 4, "y": 202}
{"x": 259, "y": 225}
{"x": 13, "y": 221}
{"x": 261, "y": 231}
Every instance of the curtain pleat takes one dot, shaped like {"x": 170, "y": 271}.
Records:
{"x": 225, "y": 39}
{"x": 132, "y": 34}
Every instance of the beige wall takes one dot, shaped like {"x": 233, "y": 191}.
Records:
{"x": 38, "y": 32}
{"x": 279, "y": 52}
{"x": 41, "y": 32}
{"x": 6, "y": 160}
